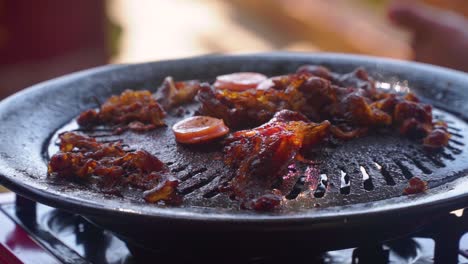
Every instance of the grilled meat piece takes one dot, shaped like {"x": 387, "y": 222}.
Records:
{"x": 351, "y": 102}
{"x": 415, "y": 185}
{"x": 261, "y": 156}
{"x": 134, "y": 110}
{"x": 171, "y": 93}
{"x": 82, "y": 157}
{"x": 238, "y": 109}
{"x": 439, "y": 136}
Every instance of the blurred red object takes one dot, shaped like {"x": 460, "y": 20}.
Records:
{"x": 43, "y": 39}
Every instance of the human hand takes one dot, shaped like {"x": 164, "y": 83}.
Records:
{"x": 439, "y": 37}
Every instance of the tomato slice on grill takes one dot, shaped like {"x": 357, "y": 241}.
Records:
{"x": 239, "y": 81}
{"x": 199, "y": 129}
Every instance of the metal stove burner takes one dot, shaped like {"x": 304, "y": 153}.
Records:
{"x": 72, "y": 239}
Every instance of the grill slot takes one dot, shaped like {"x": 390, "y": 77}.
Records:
{"x": 456, "y": 135}
{"x": 192, "y": 173}
{"x": 321, "y": 186}
{"x": 457, "y": 142}
{"x": 212, "y": 189}
{"x": 374, "y": 173}
{"x": 370, "y": 168}
{"x": 385, "y": 173}
{"x": 210, "y": 194}
{"x": 345, "y": 186}
{"x": 454, "y": 150}
{"x": 179, "y": 168}
{"x": 420, "y": 165}
{"x": 355, "y": 178}
{"x": 404, "y": 169}
{"x": 446, "y": 155}
{"x": 297, "y": 189}
{"x": 454, "y": 128}
{"x": 436, "y": 160}
{"x": 195, "y": 183}
{"x": 366, "y": 179}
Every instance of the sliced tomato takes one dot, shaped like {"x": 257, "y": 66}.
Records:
{"x": 199, "y": 129}
{"x": 239, "y": 81}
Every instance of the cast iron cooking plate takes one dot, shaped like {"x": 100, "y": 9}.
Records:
{"x": 30, "y": 118}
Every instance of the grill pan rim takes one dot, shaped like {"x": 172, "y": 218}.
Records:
{"x": 412, "y": 206}
{"x": 448, "y": 199}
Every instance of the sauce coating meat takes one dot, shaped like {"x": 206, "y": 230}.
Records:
{"x": 83, "y": 158}
{"x": 134, "y": 110}
{"x": 351, "y": 102}
{"x": 261, "y": 156}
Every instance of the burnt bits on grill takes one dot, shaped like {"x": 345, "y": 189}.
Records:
{"x": 108, "y": 165}
{"x": 134, "y": 110}
{"x": 261, "y": 156}
{"x": 351, "y": 102}
{"x": 415, "y": 185}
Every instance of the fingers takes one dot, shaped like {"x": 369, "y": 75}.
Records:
{"x": 414, "y": 17}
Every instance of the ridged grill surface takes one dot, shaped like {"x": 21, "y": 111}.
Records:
{"x": 371, "y": 168}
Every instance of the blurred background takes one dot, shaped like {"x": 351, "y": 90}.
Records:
{"x": 43, "y": 39}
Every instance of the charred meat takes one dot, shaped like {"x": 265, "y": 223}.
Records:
{"x": 351, "y": 102}
{"x": 134, "y": 110}
{"x": 111, "y": 167}
{"x": 261, "y": 156}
